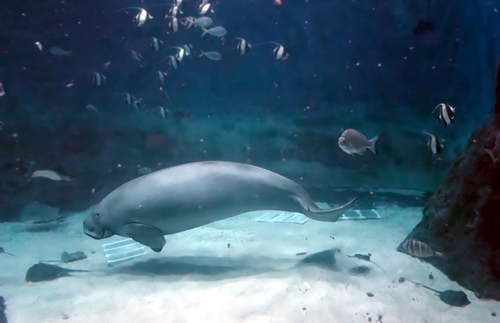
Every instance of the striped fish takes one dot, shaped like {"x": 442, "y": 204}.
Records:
{"x": 419, "y": 249}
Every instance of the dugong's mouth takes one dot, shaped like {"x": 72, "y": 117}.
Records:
{"x": 94, "y": 231}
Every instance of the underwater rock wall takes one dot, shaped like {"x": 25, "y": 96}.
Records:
{"x": 283, "y": 115}
{"x": 462, "y": 219}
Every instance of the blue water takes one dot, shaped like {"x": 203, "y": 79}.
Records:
{"x": 380, "y": 68}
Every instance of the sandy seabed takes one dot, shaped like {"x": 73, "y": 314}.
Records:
{"x": 235, "y": 270}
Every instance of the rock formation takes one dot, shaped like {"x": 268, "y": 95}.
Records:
{"x": 462, "y": 217}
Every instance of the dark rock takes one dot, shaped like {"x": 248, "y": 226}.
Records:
{"x": 461, "y": 219}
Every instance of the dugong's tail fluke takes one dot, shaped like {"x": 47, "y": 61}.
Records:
{"x": 329, "y": 215}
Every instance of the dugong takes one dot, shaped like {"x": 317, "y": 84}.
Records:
{"x": 187, "y": 196}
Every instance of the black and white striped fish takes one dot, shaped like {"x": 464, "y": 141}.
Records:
{"x": 446, "y": 113}
{"x": 419, "y": 249}
{"x": 434, "y": 145}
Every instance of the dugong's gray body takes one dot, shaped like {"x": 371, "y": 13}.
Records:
{"x": 191, "y": 195}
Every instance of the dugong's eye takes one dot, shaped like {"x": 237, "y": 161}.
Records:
{"x": 97, "y": 214}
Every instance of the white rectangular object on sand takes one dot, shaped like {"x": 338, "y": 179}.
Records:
{"x": 299, "y": 218}
{"x": 122, "y": 250}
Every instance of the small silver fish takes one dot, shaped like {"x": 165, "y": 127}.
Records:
{"x": 156, "y": 44}
{"x": 2, "y": 124}
{"x": 58, "y": 51}
{"x": 98, "y": 78}
{"x": 446, "y": 113}
{"x": 202, "y": 21}
{"x": 419, "y": 249}
{"x": 354, "y": 142}
{"x": 213, "y": 55}
{"x": 50, "y": 174}
{"x": 214, "y": 31}
{"x": 434, "y": 145}
{"x": 2, "y": 90}
{"x": 106, "y": 65}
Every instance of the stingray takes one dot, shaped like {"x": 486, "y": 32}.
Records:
{"x": 367, "y": 258}
{"x": 2, "y": 250}
{"x": 450, "y": 297}
{"x": 324, "y": 259}
{"x": 43, "y": 272}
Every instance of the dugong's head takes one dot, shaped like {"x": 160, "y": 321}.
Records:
{"x": 96, "y": 226}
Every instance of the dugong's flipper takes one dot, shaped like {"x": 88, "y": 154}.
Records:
{"x": 329, "y": 215}
{"x": 146, "y": 235}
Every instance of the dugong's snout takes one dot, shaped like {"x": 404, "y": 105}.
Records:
{"x": 91, "y": 229}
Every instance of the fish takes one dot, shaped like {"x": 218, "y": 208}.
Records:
{"x": 202, "y": 22}
{"x": 354, "y": 142}
{"x": 58, "y": 51}
{"x": 214, "y": 31}
{"x": 106, "y": 65}
{"x": 419, "y": 249}
{"x": 163, "y": 112}
{"x": 187, "y": 49}
{"x": 243, "y": 46}
{"x": 175, "y": 10}
{"x": 2, "y": 90}
{"x": 135, "y": 56}
{"x": 204, "y": 8}
{"x": 161, "y": 76}
{"x": 98, "y": 78}
{"x": 129, "y": 98}
{"x": 450, "y": 297}
{"x": 2, "y": 124}
{"x": 39, "y": 45}
{"x": 173, "y": 24}
{"x": 180, "y": 53}
{"x": 446, "y": 113}
{"x": 50, "y": 174}
{"x": 141, "y": 17}
{"x": 213, "y": 55}
{"x": 156, "y": 44}
{"x": 45, "y": 272}
{"x": 137, "y": 104}
{"x": 495, "y": 151}
{"x": 434, "y": 145}
{"x": 173, "y": 61}
{"x": 187, "y": 22}
{"x": 2, "y": 250}
{"x": 279, "y": 52}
